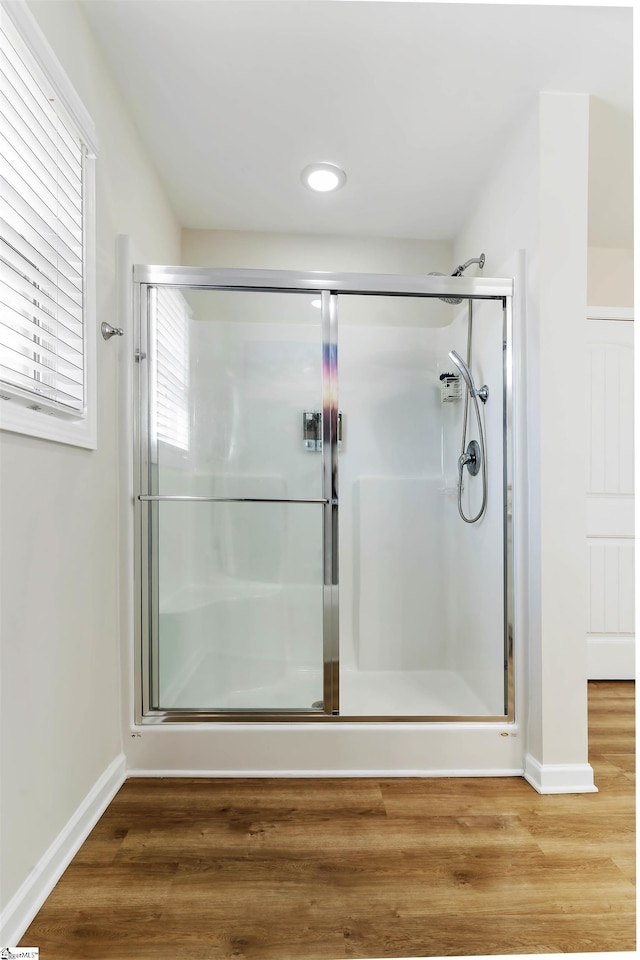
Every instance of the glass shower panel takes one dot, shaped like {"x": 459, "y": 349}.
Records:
{"x": 235, "y": 374}
{"x": 239, "y": 606}
{"x": 236, "y": 507}
{"x": 422, "y": 613}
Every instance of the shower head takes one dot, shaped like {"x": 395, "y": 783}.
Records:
{"x": 446, "y": 299}
{"x": 458, "y": 273}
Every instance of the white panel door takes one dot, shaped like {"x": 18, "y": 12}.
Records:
{"x": 610, "y": 500}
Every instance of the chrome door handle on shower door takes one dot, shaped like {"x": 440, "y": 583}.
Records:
{"x": 312, "y": 430}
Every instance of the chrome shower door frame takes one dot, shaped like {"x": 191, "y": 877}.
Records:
{"x": 146, "y": 497}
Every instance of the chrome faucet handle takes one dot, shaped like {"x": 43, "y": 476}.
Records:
{"x": 471, "y": 458}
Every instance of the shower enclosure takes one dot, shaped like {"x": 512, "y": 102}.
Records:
{"x": 299, "y": 547}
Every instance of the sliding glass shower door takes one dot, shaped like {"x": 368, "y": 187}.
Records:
{"x": 237, "y": 497}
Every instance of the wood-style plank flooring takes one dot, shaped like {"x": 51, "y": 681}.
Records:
{"x": 335, "y": 869}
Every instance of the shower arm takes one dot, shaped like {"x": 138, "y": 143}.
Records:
{"x": 463, "y": 266}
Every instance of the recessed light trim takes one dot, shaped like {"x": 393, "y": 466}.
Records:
{"x": 323, "y": 177}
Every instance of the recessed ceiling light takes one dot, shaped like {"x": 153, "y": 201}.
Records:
{"x": 316, "y": 303}
{"x": 323, "y": 177}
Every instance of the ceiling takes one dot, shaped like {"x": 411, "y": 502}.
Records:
{"x": 416, "y": 101}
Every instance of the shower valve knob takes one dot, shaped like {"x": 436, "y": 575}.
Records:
{"x": 471, "y": 458}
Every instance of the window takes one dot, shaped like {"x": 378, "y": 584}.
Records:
{"x": 47, "y": 367}
{"x": 172, "y": 369}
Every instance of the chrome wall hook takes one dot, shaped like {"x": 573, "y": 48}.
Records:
{"x": 108, "y": 331}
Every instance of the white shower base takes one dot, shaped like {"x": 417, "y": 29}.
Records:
{"x": 416, "y": 693}
{"x": 284, "y": 671}
{"x": 246, "y": 676}
{"x": 296, "y": 689}
{"x": 379, "y": 693}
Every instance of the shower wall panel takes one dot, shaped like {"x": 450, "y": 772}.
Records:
{"x": 399, "y": 609}
{"x": 392, "y": 611}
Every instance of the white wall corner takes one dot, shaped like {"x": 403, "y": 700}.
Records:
{"x": 126, "y": 469}
{"x": 558, "y": 720}
{"x": 559, "y": 777}
{"x": 28, "y": 899}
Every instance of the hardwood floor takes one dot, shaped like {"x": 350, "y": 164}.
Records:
{"x": 334, "y": 869}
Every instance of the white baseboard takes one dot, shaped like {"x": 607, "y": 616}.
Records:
{"x": 611, "y": 658}
{"x": 30, "y": 896}
{"x": 559, "y": 777}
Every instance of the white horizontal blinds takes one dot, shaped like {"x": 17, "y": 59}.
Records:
{"x": 42, "y": 348}
{"x": 172, "y": 368}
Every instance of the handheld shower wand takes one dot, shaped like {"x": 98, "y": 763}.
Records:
{"x": 473, "y": 456}
{"x": 483, "y": 392}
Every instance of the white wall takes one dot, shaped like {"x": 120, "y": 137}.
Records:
{"x": 560, "y": 691}
{"x": 610, "y": 277}
{"x": 537, "y": 202}
{"x": 59, "y": 511}
{"x": 286, "y": 251}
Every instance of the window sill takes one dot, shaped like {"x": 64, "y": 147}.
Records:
{"x": 77, "y": 433}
